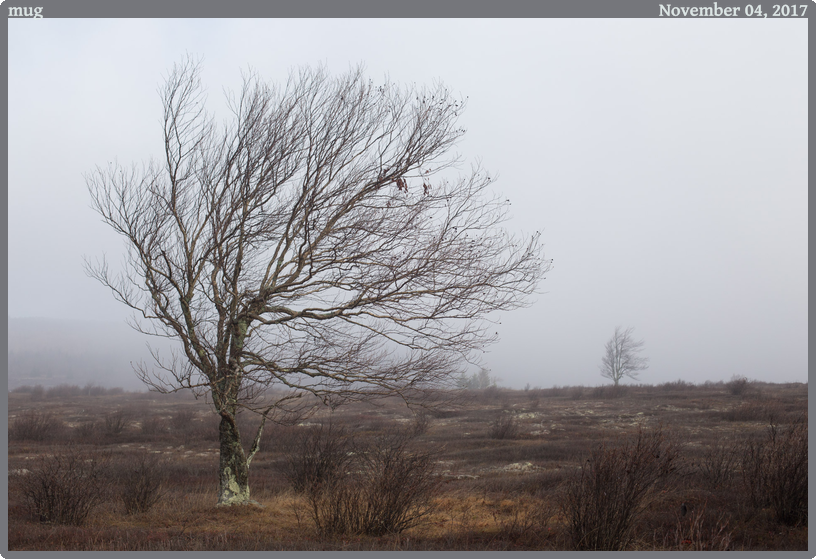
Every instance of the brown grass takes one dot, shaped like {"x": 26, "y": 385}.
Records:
{"x": 493, "y": 494}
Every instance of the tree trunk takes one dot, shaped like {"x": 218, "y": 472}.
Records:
{"x": 233, "y": 469}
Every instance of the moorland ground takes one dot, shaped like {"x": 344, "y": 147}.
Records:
{"x": 498, "y": 469}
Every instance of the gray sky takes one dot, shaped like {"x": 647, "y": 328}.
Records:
{"x": 664, "y": 161}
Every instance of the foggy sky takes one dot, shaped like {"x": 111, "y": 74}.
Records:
{"x": 664, "y": 162}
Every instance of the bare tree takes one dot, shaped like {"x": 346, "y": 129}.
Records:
{"x": 621, "y": 357}
{"x": 316, "y": 243}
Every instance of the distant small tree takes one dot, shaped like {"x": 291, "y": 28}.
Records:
{"x": 621, "y": 357}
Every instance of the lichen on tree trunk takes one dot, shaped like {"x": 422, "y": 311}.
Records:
{"x": 233, "y": 468}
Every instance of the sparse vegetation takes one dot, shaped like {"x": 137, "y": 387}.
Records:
{"x": 64, "y": 488}
{"x": 143, "y": 479}
{"x": 602, "y": 503}
{"x": 503, "y": 427}
{"x": 35, "y": 426}
{"x": 738, "y": 385}
{"x": 386, "y": 489}
{"x": 775, "y": 471}
{"x": 474, "y": 492}
{"x": 116, "y": 422}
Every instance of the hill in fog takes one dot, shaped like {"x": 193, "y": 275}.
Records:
{"x": 51, "y": 352}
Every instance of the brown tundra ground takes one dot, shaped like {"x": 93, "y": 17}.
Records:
{"x": 502, "y": 472}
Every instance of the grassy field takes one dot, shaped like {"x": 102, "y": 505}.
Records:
{"x": 700, "y": 467}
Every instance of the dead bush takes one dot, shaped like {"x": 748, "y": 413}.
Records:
{"x": 503, "y": 427}
{"x": 718, "y": 465}
{"x": 153, "y": 426}
{"x": 576, "y": 392}
{"x": 91, "y": 389}
{"x": 35, "y": 426}
{"x": 182, "y": 420}
{"x": 317, "y": 456}
{"x": 116, "y": 422}
{"x": 143, "y": 480}
{"x": 86, "y": 431}
{"x": 63, "y": 391}
{"x": 602, "y": 503}
{"x": 386, "y": 490}
{"x": 738, "y": 385}
{"x": 64, "y": 488}
{"x": 767, "y": 411}
{"x": 775, "y": 472}
{"x": 420, "y": 423}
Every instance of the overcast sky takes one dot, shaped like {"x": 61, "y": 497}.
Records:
{"x": 664, "y": 161}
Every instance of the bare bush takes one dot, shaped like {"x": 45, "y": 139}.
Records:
{"x": 86, "y": 431}
{"x": 738, "y": 385}
{"x": 775, "y": 472}
{"x": 767, "y": 411}
{"x": 24, "y": 389}
{"x": 602, "y": 503}
{"x": 319, "y": 456}
{"x": 143, "y": 483}
{"x": 64, "y": 488}
{"x": 182, "y": 419}
{"x": 503, "y": 427}
{"x": 576, "y": 392}
{"x": 679, "y": 384}
{"x": 420, "y": 423}
{"x": 35, "y": 426}
{"x": 718, "y": 464}
{"x": 387, "y": 491}
{"x": 153, "y": 426}
{"x": 91, "y": 389}
{"x": 63, "y": 391}
{"x": 116, "y": 422}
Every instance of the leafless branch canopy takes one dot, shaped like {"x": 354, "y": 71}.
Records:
{"x": 621, "y": 357}
{"x": 312, "y": 243}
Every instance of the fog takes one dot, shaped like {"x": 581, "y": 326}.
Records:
{"x": 664, "y": 162}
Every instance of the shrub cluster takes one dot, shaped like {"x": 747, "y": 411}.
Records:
{"x": 775, "y": 472}
{"x": 602, "y": 503}
{"x": 35, "y": 426}
{"x": 143, "y": 481}
{"x": 380, "y": 488}
{"x": 38, "y": 391}
{"x": 504, "y": 426}
{"x": 738, "y": 385}
{"x": 64, "y": 488}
